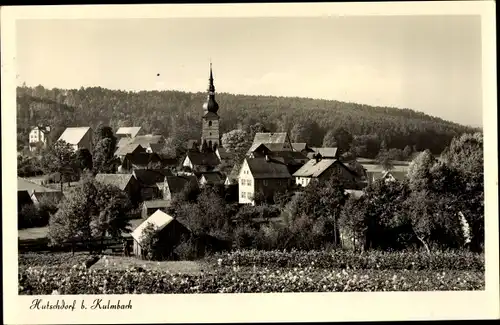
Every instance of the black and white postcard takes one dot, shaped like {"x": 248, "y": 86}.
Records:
{"x": 249, "y": 162}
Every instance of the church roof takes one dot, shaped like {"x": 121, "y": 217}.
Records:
{"x": 210, "y": 114}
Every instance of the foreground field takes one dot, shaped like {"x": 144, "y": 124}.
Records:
{"x": 252, "y": 271}
{"x": 133, "y": 281}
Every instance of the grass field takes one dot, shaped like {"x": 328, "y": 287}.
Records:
{"x": 122, "y": 263}
{"x": 41, "y": 232}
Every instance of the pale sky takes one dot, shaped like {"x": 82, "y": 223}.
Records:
{"x": 427, "y": 63}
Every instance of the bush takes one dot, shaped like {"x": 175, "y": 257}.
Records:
{"x": 223, "y": 280}
{"x": 243, "y": 237}
{"x": 186, "y": 250}
{"x": 340, "y": 259}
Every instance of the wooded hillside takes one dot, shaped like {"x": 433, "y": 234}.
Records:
{"x": 178, "y": 115}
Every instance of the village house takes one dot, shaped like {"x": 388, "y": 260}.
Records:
{"x": 176, "y": 184}
{"x": 78, "y": 137}
{"x": 223, "y": 155}
{"x": 277, "y": 141}
{"x": 261, "y": 176}
{"x": 38, "y": 137}
{"x": 125, "y": 182}
{"x": 302, "y": 147}
{"x": 152, "y": 182}
{"x": 140, "y": 160}
{"x": 323, "y": 169}
{"x": 151, "y": 206}
{"x": 129, "y": 149}
{"x": 211, "y": 178}
{"x": 27, "y": 190}
{"x": 201, "y": 161}
{"x": 128, "y": 132}
{"x": 151, "y": 143}
{"x": 169, "y": 231}
{"x": 375, "y": 172}
{"x": 232, "y": 178}
{"x": 54, "y": 197}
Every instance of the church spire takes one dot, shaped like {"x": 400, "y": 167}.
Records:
{"x": 211, "y": 105}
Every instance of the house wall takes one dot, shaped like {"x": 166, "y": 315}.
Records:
{"x": 187, "y": 163}
{"x": 245, "y": 185}
{"x": 302, "y": 181}
{"x": 271, "y": 186}
{"x": 36, "y": 135}
{"x": 85, "y": 142}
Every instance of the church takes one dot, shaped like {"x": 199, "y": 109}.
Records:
{"x": 202, "y": 156}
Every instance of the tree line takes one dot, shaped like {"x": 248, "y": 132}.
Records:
{"x": 177, "y": 115}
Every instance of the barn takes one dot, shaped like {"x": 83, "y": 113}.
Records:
{"x": 170, "y": 233}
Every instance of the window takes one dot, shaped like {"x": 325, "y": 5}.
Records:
{"x": 265, "y": 182}
{"x": 249, "y": 182}
{"x": 210, "y": 124}
{"x": 243, "y": 194}
{"x": 210, "y": 133}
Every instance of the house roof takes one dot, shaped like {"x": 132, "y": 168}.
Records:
{"x": 372, "y": 168}
{"x": 151, "y": 176}
{"x": 74, "y": 135}
{"x": 52, "y": 195}
{"x": 289, "y": 157}
{"x": 268, "y": 138}
{"x": 203, "y": 158}
{"x": 326, "y": 152}
{"x": 156, "y": 147}
{"x": 314, "y": 168}
{"x": 213, "y": 178}
{"x": 142, "y": 158}
{"x": 300, "y": 146}
{"x": 129, "y": 148}
{"x": 177, "y": 183}
{"x": 30, "y": 187}
{"x": 132, "y": 131}
{"x": 267, "y": 169}
{"x": 156, "y": 204}
{"x": 146, "y": 140}
{"x": 119, "y": 180}
{"x": 159, "y": 219}
{"x": 223, "y": 153}
{"x": 399, "y": 175}
{"x": 123, "y": 142}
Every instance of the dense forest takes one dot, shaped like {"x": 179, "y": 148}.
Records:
{"x": 177, "y": 115}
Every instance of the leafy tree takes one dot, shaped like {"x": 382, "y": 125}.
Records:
{"x": 407, "y": 152}
{"x": 169, "y": 150}
{"x": 465, "y": 155}
{"x": 307, "y": 131}
{"x": 59, "y": 159}
{"x": 329, "y": 139}
{"x": 103, "y": 160}
{"x": 236, "y": 142}
{"x": 83, "y": 159}
{"x": 89, "y": 211}
{"x": 71, "y": 223}
{"x": 419, "y": 170}
{"x": 149, "y": 242}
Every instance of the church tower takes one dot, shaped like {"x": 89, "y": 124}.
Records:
{"x": 210, "y": 137}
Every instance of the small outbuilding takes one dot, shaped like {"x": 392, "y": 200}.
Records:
{"x": 169, "y": 231}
